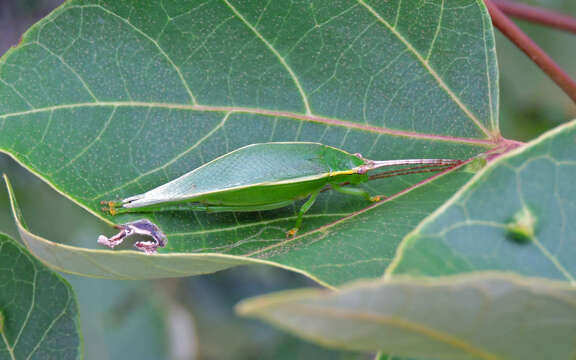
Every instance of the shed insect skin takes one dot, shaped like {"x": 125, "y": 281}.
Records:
{"x": 266, "y": 176}
{"x": 142, "y": 227}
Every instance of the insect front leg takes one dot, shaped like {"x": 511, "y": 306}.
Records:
{"x": 305, "y": 207}
{"x": 111, "y": 206}
{"x": 349, "y": 190}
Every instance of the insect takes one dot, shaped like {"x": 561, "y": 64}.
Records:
{"x": 260, "y": 177}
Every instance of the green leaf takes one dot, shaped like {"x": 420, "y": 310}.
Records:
{"x": 517, "y": 215}
{"x": 107, "y": 99}
{"x": 38, "y": 311}
{"x": 473, "y": 316}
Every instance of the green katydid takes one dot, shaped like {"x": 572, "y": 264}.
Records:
{"x": 259, "y": 177}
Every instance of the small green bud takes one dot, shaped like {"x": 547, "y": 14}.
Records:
{"x": 522, "y": 227}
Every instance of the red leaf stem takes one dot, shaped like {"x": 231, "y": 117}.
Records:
{"x": 530, "y": 48}
{"x": 537, "y": 15}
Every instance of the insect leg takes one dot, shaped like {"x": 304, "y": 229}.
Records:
{"x": 305, "y": 207}
{"x": 248, "y": 208}
{"x": 110, "y": 206}
{"x": 119, "y": 209}
{"x": 350, "y": 190}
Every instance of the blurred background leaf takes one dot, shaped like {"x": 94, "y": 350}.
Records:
{"x": 486, "y": 316}
{"x": 530, "y": 102}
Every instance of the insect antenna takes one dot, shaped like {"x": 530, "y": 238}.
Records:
{"x": 378, "y": 164}
{"x": 413, "y": 170}
{"x": 373, "y": 165}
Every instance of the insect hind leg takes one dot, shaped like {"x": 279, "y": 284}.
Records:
{"x": 303, "y": 209}
{"x": 350, "y": 190}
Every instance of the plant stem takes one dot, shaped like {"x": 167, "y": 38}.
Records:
{"x": 534, "y": 52}
{"x": 537, "y": 15}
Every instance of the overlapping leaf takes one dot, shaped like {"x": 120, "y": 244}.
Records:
{"x": 38, "y": 311}
{"x": 479, "y": 316}
{"x": 106, "y": 99}
{"x": 515, "y": 216}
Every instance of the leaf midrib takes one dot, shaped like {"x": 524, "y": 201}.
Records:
{"x": 246, "y": 110}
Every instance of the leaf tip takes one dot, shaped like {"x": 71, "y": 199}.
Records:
{"x": 244, "y": 308}
{"x": 252, "y": 307}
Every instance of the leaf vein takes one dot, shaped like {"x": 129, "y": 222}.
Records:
{"x": 277, "y": 54}
{"x": 431, "y": 70}
{"x": 52, "y": 323}
{"x": 382, "y": 319}
{"x": 437, "y": 32}
{"x": 92, "y": 143}
{"x": 264, "y": 112}
{"x": 154, "y": 42}
{"x": 32, "y": 304}
{"x": 171, "y": 161}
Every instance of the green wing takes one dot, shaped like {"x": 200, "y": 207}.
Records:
{"x": 252, "y": 165}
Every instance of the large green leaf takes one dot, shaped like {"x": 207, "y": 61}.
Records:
{"x": 38, "y": 311}
{"x": 517, "y": 215}
{"x": 104, "y": 100}
{"x": 473, "y": 316}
